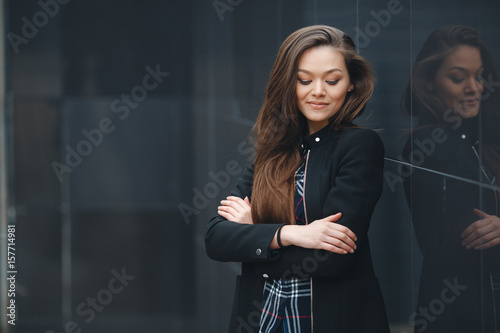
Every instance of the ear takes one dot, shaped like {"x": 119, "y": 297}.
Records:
{"x": 351, "y": 87}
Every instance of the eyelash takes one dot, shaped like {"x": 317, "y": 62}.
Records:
{"x": 459, "y": 80}
{"x": 332, "y": 83}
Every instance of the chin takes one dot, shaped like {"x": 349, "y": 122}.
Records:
{"x": 467, "y": 114}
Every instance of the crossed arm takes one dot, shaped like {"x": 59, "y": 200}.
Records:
{"x": 323, "y": 234}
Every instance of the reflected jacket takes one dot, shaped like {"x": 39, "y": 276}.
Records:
{"x": 442, "y": 208}
{"x": 343, "y": 174}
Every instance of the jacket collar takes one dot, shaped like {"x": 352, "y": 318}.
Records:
{"x": 318, "y": 138}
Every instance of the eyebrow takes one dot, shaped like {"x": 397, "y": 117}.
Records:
{"x": 327, "y": 72}
{"x": 464, "y": 69}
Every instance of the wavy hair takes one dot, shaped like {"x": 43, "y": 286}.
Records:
{"x": 280, "y": 124}
{"x": 420, "y": 101}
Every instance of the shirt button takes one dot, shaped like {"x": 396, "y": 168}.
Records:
{"x": 258, "y": 252}
{"x": 265, "y": 276}
{"x": 463, "y": 136}
{"x": 317, "y": 139}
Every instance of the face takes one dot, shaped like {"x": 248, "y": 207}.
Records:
{"x": 322, "y": 85}
{"x": 458, "y": 81}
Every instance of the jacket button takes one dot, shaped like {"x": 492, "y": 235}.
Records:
{"x": 317, "y": 139}
{"x": 258, "y": 252}
{"x": 265, "y": 276}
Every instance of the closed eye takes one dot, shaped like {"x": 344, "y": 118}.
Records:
{"x": 304, "y": 82}
{"x": 332, "y": 82}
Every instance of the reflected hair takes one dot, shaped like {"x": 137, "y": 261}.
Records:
{"x": 280, "y": 124}
{"x": 419, "y": 100}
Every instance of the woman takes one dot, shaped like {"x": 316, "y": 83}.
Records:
{"x": 299, "y": 216}
{"x": 453, "y": 200}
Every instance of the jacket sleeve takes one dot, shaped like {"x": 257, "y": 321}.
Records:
{"x": 231, "y": 241}
{"x": 357, "y": 186}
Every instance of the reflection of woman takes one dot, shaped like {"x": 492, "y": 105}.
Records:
{"x": 456, "y": 221}
{"x": 313, "y": 186}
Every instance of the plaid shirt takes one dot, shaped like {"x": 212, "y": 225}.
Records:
{"x": 286, "y": 304}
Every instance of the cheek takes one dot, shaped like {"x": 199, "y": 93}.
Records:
{"x": 481, "y": 88}
{"x": 448, "y": 91}
{"x": 300, "y": 92}
{"x": 338, "y": 93}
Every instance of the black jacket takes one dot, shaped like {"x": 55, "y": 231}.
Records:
{"x": 442, "y": 208}
{"x": 343, "y": 174}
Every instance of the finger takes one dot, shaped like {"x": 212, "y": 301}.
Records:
{"x": 226, "y": 215}
{"x": 487, "y": 245}
{"x": 235, "y": 199}
{"x": 228, "y": 209}
{"x": 336, "y": 217}
{"x": 473, "y": 228}
{"x": 344, "y": 230}
{"x": 481, "y": 231}
{"x": 471, "y": 233}
{"x": 341, "y": 245}
{"x": 333, "y": 248}
{"x": 238, "y": 201}
{"x": 343, "y": 241}
{"x": 480, "y": 213}
{"x": 480, "y": 242}
{"x": 470, "y": 229}
{"x": 333, "y": 218}
{"x": 233, "y": 204}
{"x": 247, "y": 201}
{"x": 481, "y": 236}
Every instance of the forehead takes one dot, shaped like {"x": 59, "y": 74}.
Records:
{"x": 322, "y": 58}
{"x": 466, "y": 57}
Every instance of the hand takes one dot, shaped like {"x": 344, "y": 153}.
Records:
{"x": 322, "y": 234}
{"x": 482, "y": 234}
{"x": 236, "y": 209}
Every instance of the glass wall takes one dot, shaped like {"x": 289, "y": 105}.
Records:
{"x": 126, "y": 122}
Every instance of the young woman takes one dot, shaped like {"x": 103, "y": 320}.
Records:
{"x": 454, "y": 95}
{"x": 299, "y": 216}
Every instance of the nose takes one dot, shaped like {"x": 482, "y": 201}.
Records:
{"x": 474, "y": 86}
{"x": 318, "y": 89}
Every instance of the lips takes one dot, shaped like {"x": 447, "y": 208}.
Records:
{"x": 318, "y": 105}
{"x": 470, "y": 101}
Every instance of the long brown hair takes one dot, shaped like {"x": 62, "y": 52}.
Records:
{"x": 280, "y": 124}
{"x": 420, "y": 101}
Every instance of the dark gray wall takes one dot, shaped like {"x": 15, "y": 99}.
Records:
{"x": 132, "y": 200}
